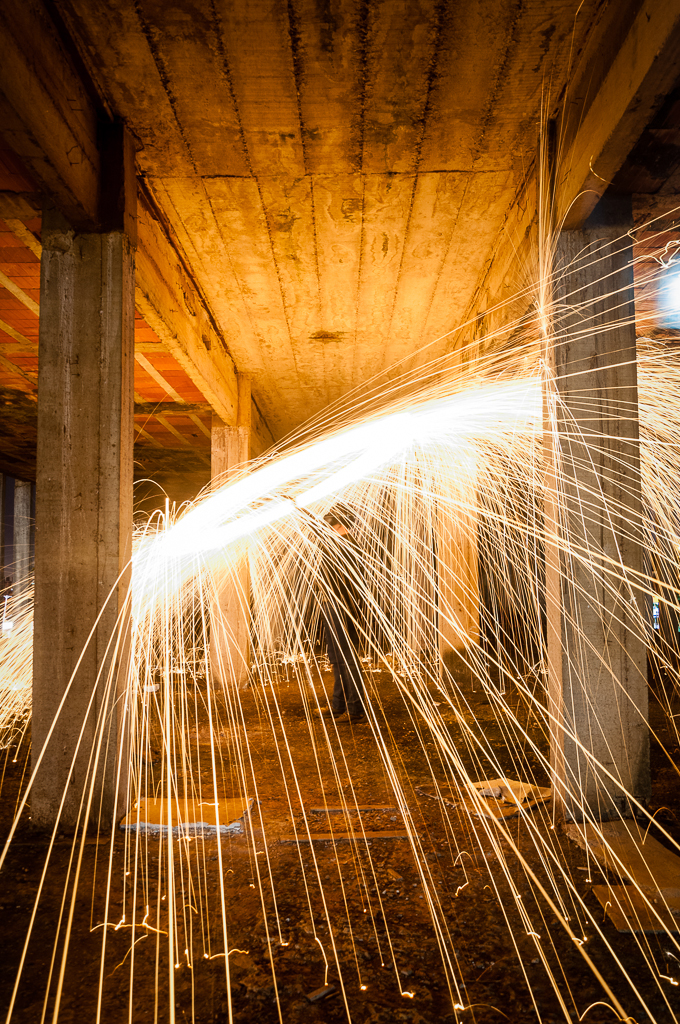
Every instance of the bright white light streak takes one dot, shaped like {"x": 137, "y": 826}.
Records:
{"x": 458, "y": 421}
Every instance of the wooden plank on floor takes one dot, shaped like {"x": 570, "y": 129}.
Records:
{"x": 621, "y": 847}
{"x": 629, "y": 911}
{"x": 149, "y": 815}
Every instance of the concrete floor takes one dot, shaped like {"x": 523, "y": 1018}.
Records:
{"x": 380, "y": 925}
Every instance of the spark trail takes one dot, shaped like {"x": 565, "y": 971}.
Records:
{"x": 444, "y": 472}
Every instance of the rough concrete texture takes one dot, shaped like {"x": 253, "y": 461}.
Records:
{"x": 84, "y": 502}
{"x": 458, "y": 598}
{"x": 337, "y": 179}
{"x": 22, "y": 536}
{"x": 597, "y": 659}
{"x": 327, "y": 189}
{"x": 230, "y": 614}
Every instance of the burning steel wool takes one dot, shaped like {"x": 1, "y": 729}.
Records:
{"x": 402, "y": 857}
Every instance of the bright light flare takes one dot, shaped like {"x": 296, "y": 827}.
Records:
{"x": 460, "y": 422}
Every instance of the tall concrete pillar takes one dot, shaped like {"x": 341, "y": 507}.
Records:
{"x": 22, "y": 541}
{"x": 230, "y": 615}
{"x": 458, "y": 578}
{"x": 597, "y": 665}
{"x": 3, "y": 557}
{"x": 84, "y": 488}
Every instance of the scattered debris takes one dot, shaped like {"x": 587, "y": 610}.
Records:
{"x": 394, "y": 875}
{"x": 495, "y": 792}
{"x": 322, "y": 993}
{"x": 495, "y": 798}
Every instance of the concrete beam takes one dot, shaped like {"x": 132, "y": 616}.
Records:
{"x": 186, "y": 408}
{"x": 22, "y": 206}
{"x": 597, "y": 659}
{"x": 20, "y": 231}
{"x": 28, "y": 376}
{"x": 171, "y": 306}
{"x": 19, "y": 294}
{"x": 642, "y": 73}
{"x": 184, "y": 442}
{"x": 194, "y": 372}
{"x": 200, "y": 424}
{"x": 147, "y": 365}
{"x": 148, "y": 437}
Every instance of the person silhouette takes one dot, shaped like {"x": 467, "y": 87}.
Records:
{"x": 341, "y": 589}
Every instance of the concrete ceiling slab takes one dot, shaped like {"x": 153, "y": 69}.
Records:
{"x": 336, "y": 175}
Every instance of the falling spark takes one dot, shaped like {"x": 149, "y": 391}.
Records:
{"x": 449, "y": 461}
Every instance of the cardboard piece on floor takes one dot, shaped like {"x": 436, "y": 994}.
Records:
{"x": 493, "y": 798}
{"x": 623, "y": 848}
{"x": 487, "y": 807}
{"x": 187, "y": 816}
{"x": 511, "y": 791}
{"x": 628, "y": 910}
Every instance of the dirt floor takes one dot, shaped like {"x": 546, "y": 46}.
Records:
{"x": 355, "y": 915}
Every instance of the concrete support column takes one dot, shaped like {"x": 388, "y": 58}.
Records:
{"x": 458, "y": 579}
{"x": 597, "y": 664}
{"x": 22, "y": 541}
{"x": 3, "y": 558}
{"x": 230, "y": 615}
{"x": 84, "y": 491}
